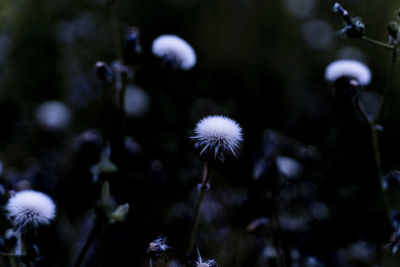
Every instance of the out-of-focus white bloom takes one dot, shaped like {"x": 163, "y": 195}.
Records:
{"x": 348, "y": 68}
{"x": 136, "y": 101}
{"x": 174, "y": 50}
{"x": 301, "y": 8}
{"x": 30, "y": 209}
{"x": 318, "y": 34}
{"x": 203, "y": 262}
{"x": 289, "y": 167}
{"x": 53, "y": 115}
{"x": 218, "y": 135}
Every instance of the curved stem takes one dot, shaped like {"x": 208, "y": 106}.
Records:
{"x": 375, "y": 147}
{"x": 386, "y": 88}
{"x": 283, "y": 262}
{"x": 198, "y": 206}
{"x": 121, "y": 106}
{"x": 105, "y": 196}
{"x": 114, "y": 30}
{"x": 11, "y": 258}
{"x": 87, "y": 245}
{"x": 13, "y": 261}
{"x": 376, "y": 42}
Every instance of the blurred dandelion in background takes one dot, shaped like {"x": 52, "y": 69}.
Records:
{"x": 301, "y": 8}
{"x": 137, "y": 101}
{"x": 53, "y": 115}
{"x": 350, "y": 69}
{"x": 175, "y": 51}
{"x": 318, "y": 34}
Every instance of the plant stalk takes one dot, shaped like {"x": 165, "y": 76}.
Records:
{"x": 375, "y": 147}
{"x": 87, "y": 244}
{"x": 198, "y": 207}
{"x": 386, "y": 88}
{"x": 376, "y": 42}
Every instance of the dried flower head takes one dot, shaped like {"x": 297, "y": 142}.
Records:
{"x": 175, "y": 51}
{"x": 204, "y": 262}
{"x": 348, "y": 68}
{"x": 218, "y": 135}
{"x": 29, "y": 209}
{"x": 156, "y": 248}
{"x": 353, "y": 27}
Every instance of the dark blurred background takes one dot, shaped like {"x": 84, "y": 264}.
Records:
{"x": 259, "y": 62}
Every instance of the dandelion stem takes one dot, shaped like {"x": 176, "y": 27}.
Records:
{"x": 105, "y": 196}
{"x": 278, "y": 232}
{"x": 114, "y": 30}
{"x": 198, "y": 206}
{"x": 375, "y": 147}
{"x": 12, "y": 260}
{"x": 88, "y": 243}
{"x": 376, "y": 42}
{"x": 121, "y": 106}
{"x": 386, "y": 88}
{"x": 10, "y": 254}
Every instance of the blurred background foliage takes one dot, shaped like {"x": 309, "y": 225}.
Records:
{"x": 259, "y": 62}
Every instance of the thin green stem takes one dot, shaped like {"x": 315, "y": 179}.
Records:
{"x": 278, "y": 232}
{"x": 198, "y": 207}
{"x": 387, "y": 85}
{"x": 87, "y": 245}
{"x": 105, "y": 196}
{"x": 105, "y": 200}
{"x": 376, "y": 42}
{"x": 375, "y": 147}
{"x": 13, "y": 261}
{"x": 115, "y": 30}
{"x": 121, "y": 105}
{"x": 12, "y": 258}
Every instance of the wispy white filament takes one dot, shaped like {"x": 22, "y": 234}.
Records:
{"x": 175, "y": 50}
{"x": 348, "y": 68}
{"x": 218, "y": 135}
{"x": 203, "y": 262}
{"x": 30, "y": 209}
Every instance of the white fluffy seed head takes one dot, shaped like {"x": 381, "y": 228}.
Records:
{"x": 218, "y": 135}
{"x": 174, "y": 50}
{"x": 204, "y": 262}
{"x": 29, "y": 209}
{"x": 348, "y": 68}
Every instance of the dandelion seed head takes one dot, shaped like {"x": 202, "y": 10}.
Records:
{"x": 157, "y": 247}
{"x": 204, "y": 262}
{"x": 174, "y": 50}
{"x": 348, "y": 68}
{"x": 218, "y": 135}
{"x": 30, "y": 209}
